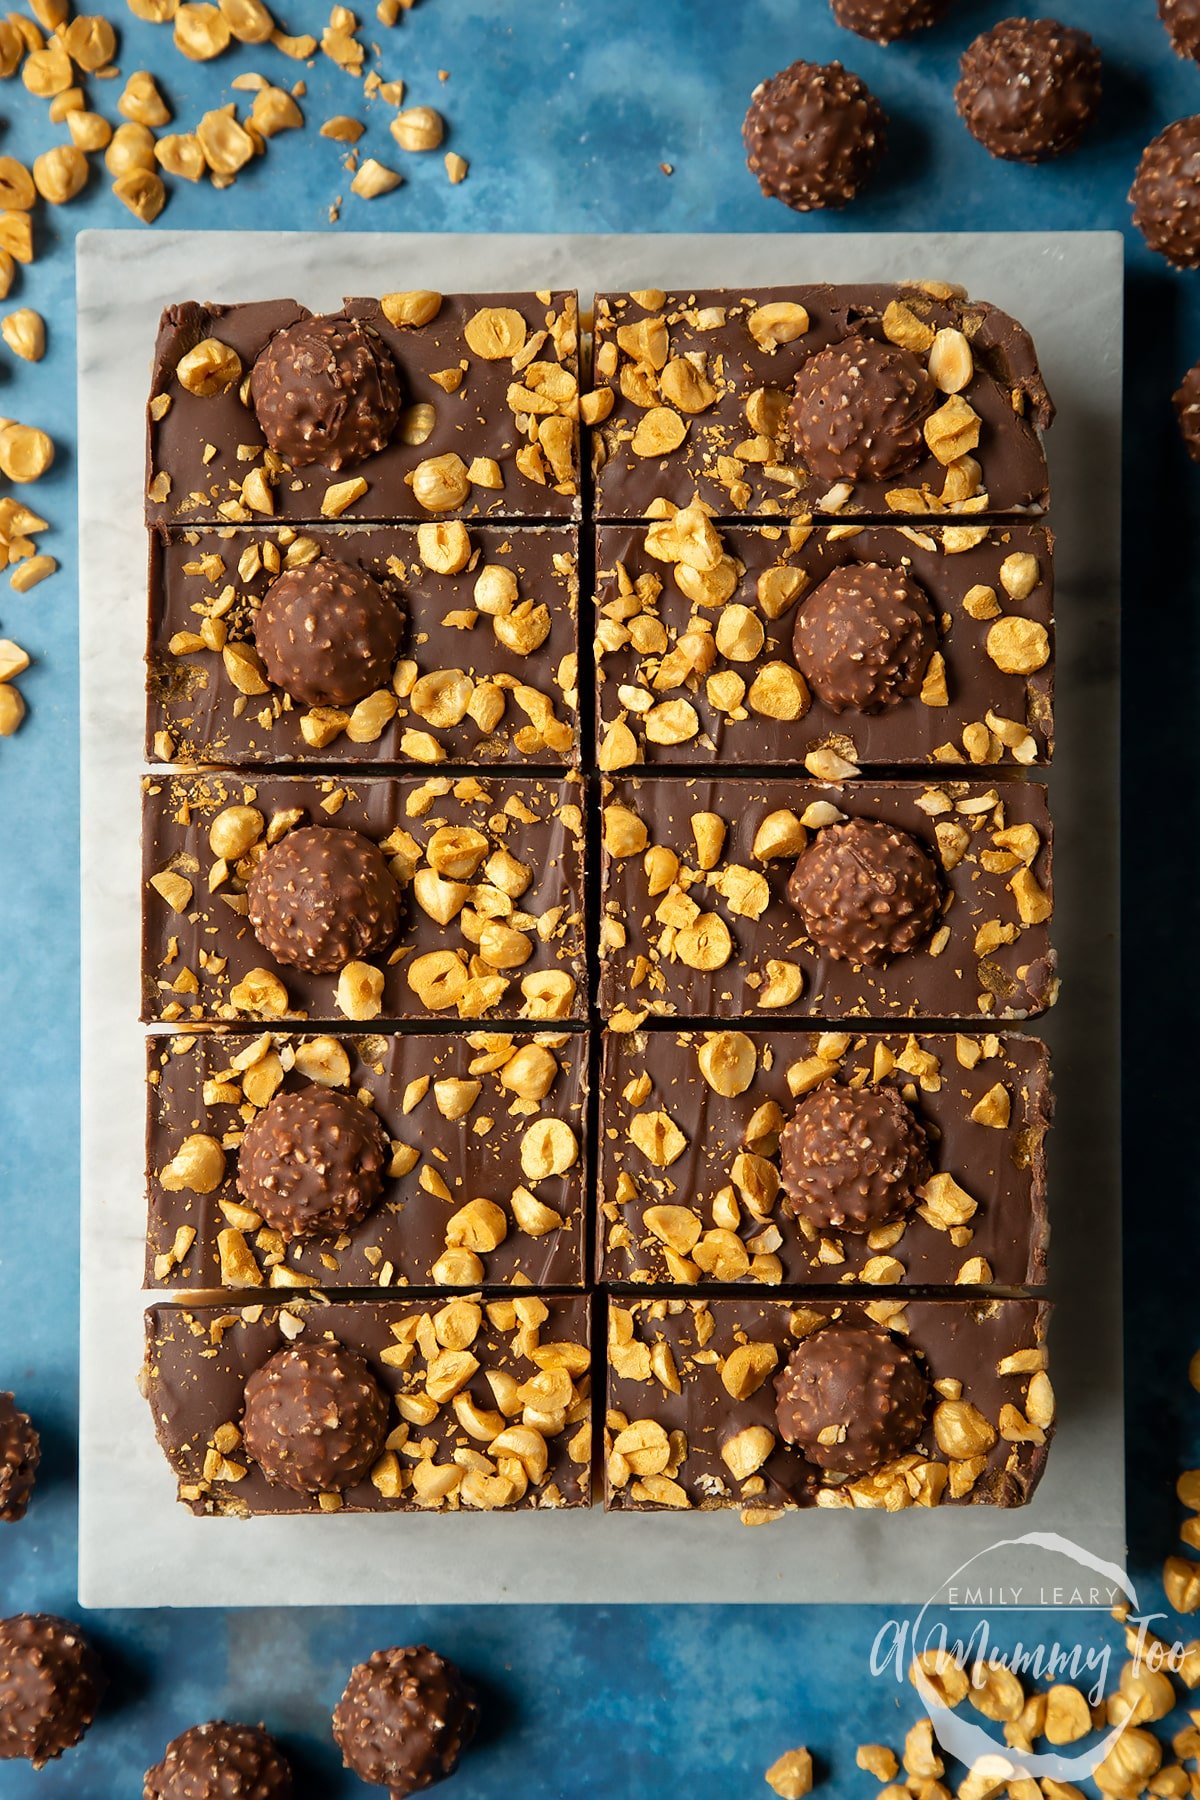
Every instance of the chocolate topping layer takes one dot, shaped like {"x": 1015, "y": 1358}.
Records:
{"x": 517, "y": 836}
{"x": 50, "y": 1687}
{"x": 1029, "y": 88}
{"x": 327, "y": 633}
{"x": 404, "y": 1720}
{"x": 1187, "y": 406}
{"x": 814, "y": 134}
{"x": 1182, "y": 20}
{"x": 460, "y": 669}
{"x": 312, "y": 1163}
{"x": 864, "y": 637}
{"x": 852, "y": 1158}
{"x": 726, "y": 946}
{"x": 886, "y": 20}
{"x": 201, "y": 1359}
{"x": 1165, "y": 195}
{"x": 315, "y": 1417}
{"x": 323, "y": 897}
{"x": 857, "y": 410}
{"x": 729, "y": 1092}
{"x": 736, "y": 354}
{"x": 778, "y": 576}
{"x": 325, "y": 390}
{"x": 220, "y": 1762}
{"x": 726, "y": 1415}
{"x": 851, "y": 1398}
{"x": 866, "y": 891}
{"x": 20, "y": 1454}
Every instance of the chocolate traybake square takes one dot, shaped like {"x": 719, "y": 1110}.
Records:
{"x": 823, "y": 1158}
{"x": 459, "y": 1403}
{"x": 823, "y": 647}
{"x": 398, "y": 644}
{"x": 417, "y": 405}
{"x": 770, "y": 1404}
{"x": 370, "y": 1161}
{"x": 362, "y": 898}
{"x": 877, "y": 400}
{"x": 729, "y": 897}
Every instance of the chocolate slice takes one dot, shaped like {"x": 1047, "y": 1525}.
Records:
{"x": 736, "y": 897}
{"x": 823, "y": 1158}
{"x": 376, "y": 898}
{"x": 408, "y": 644}
{"x": 482, "y": 1179}
{"x": 441, "y": 1364}
{"x": 952, "y": 1395}
{"x": 823, "y": 645}
{"x": 701, "y": 385}
{"x": 414, "y": 406}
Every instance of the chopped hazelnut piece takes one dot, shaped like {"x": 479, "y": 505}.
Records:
{"x": 143, "y": 193}
{"x": 373, "y": 179}
{"x": 791, "y": 1775}
{"x": 209, "y": 368}
{"x": 25, "y": 334}
{"x": 418, "y": 128}
{"x": 60, "y": 174}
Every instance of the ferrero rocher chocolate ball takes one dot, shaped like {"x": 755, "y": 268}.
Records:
{"x": 863, "y": 638}
{"x": 1029, "y": 88}
{"x": 858, "y": 408}
{"x": 866, "y": 891}
{"x": 315, "y": 1418}
{"x": 50, "y": 1687}
{"x": 328, "y": 633}
{"x": 1182, "y": 20}
{"x": 323, "y": 897}
{"x": 851, "y": 1398}
{"x": 886, "y": 20}
{"x": 20, "y": 1454}
{"x": 1166, "y": 193}
{"x": 312, "y": 1162}
{"x": 404, "y": 1720}
{"x": 326, "y": 390}
{"x": 1187, "y": 406}
{"x": 852, "y": 1159}
{"x": 220, "y": 1762}
{"x": 814, "y": 134}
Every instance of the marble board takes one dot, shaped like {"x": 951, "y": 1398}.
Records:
{"x": 137, "y": 1546}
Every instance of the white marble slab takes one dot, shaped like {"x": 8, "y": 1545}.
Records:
{"x": 137, "y": 1547}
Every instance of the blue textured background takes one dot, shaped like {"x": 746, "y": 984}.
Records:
{"x": 566, "y": 112}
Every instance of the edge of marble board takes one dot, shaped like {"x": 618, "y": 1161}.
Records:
{"x": 169, "y": 1558}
